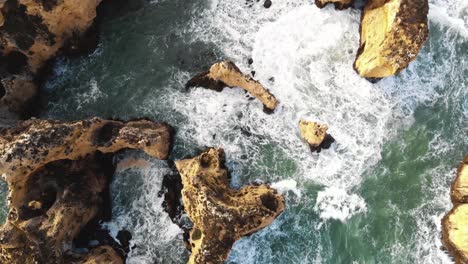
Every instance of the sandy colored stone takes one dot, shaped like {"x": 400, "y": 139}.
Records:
{"x": 459, "y": 193}
{"x": 339, "y": 4}
{"x": 220, "y": 214}
{"x": 50, "y": 25}
{"x": 31, "y": 33}
{"x": 227, "y": 74}
{"x": 57, "y": 174}
{"x": 455, "y": 223}
{"x": 313, "y": 132}
{"x": 392, "y": 34}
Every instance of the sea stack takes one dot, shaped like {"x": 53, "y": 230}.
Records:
{"x": 455, "y": 223}
{"x": 315, "y": 135}
{"x": 58, "y": 175}
{"x": 220, "y": 214}
{"x": 392, "y": 34}
{"x": 227, "y": 74}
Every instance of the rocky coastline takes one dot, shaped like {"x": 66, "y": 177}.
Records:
{"x": 58, "y": 173}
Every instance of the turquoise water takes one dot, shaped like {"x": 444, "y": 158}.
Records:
{"x": 377, "y": 196}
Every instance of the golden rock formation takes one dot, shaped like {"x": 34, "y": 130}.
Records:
{"x": 222, "y": 215}
{"x": 392, "y": 34}
{"x": 339, "y": 4}
{"x": 38, "y": 29}
{"x": 455, "y": 223}
{"x": 57, "y": 174}
{"x": 315, "y": 135}
{"x": 227, "y": 74}
{"x": 31, "y": 33}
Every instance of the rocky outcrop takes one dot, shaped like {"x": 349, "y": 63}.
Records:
{"x": 315, "y": 135}
{"x": 58, "y": 175}
{"x": 339, "y": 4}
{"x": 31, "y": 33}
{"x": 38, "y": 29}
{"x": 227, "y": 74}
{"x": 222, "y": 215}
{"x": 392, "y": 34}
{"x": 455, "y": 223}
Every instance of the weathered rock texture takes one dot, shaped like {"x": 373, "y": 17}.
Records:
{"x": 392, "y": 33}
{"x": 339, "y": 4}
{"x": 455, "y": 223}
{"x": 315, "y": 135}
{"x": 222, "y": 215}
{"x": 58, "y": 174}
{"x": 31, "y": 33}
{"x": 227, "y": 74}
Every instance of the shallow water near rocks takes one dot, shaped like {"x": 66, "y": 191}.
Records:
{"x": 376, "y": 196}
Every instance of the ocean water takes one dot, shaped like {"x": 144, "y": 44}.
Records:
{"x": 376, "y": 196}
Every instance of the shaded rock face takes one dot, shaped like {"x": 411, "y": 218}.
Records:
{"x": 227, "y": 74}
{"x": 315, "y": 135}
{"x": 339, "y": 4}
{"x": 222, "y": 215}
{"x": 38, "y": 29}
{"x": 58, "y": 176}
{"x": 392, "y": 34}
{"x": 31, "y": 33}
{"x": 455, "y": 223}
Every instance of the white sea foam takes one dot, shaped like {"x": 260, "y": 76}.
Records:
{"x": 337, "y": 204}
{"x": 309, "y": 53}
{"x": 90, "y": 96}
{"x": 138, "y": 209}
{"x": 286, "y": 186}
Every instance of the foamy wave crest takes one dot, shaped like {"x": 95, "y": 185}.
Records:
{"x": 286, "y": 186}
{"x": 90, "y": 96}
{"x": 335, "y": 203}
{"x": 138, "y": 209}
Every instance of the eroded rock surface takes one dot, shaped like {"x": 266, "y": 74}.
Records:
{"x": 455, "y": 223}
{"x": 315, "y": 135}
{"x": 227, "y": 74}
{"x": 58, "y": 176}
{"x": 392, "y": 34}
{"x": 220, "y": 214}
{"x": 339, "y": 4}
{"x": 31, "y": 33}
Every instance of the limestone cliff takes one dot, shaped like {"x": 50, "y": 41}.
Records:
{"x": 31, "y": 33}
{"x": 222, "y": 215}
{"x": 58, "y": 174}
{"x": 315, "y": 135}
{"x": 339, "y": 4}
{"x": 455, "y": 223}
{"x": 392, "y": 34}
{"x": 227, "y": 74}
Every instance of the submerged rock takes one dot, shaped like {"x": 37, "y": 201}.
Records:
{"x": 392, "y": 34}
{"x": 31, "y": 33}
{"x": 227, "y": 74}
{"x": 339, "y": 4}
{"x": 58, "y": 177}
{"x": 455, "y": 223}
{"x": 220, "y": 214}
{"x": 315, "y": 135}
